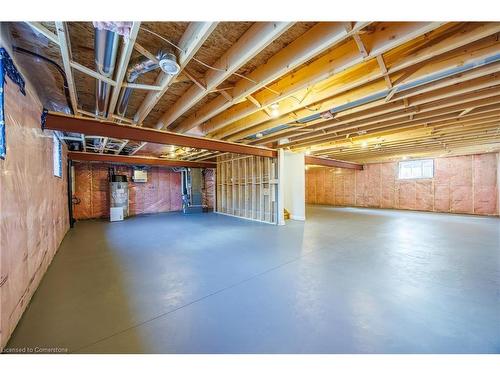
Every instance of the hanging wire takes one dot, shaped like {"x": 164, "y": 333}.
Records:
{"x": 214, "y": 68}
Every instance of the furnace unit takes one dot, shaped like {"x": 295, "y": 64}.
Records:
{"x": 118, "y": 192}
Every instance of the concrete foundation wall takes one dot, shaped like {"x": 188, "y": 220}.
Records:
{"x": 33, "y": 206}
{"x": 461, "y": 184}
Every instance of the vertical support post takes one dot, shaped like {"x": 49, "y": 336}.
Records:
{"x": 70, "y": 194}
{"x": 280, "y": 197}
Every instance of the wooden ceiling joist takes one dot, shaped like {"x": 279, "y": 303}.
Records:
{"x": 312, "y": 43}
{"x": 332, "y": 163}
{"x": 423, "y": 111}
{"x": 250, "y": 44}
{"x": 136, "y": 160}
{"x": 399, "y": 125}
{"x": 193, "y": 38}
{"x": 258, "y": 122}
{"x": 336, "y": 61}
{"x": 65, "y": 47}
{"x": 61, "y": 122}
{"x": 39, "y": 28}
{"x": 462, "y": 82}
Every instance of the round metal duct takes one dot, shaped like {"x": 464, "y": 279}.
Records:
{"x": 168, "y": 63}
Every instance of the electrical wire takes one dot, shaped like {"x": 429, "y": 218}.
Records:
{"x": 57, "y": 66}
{"x": 207, "y": 65}
{"x": 224, "y": 70}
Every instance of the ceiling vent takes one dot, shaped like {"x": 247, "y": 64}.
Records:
{"x": 168, "y": 63}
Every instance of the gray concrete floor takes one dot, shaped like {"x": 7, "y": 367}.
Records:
{"x": 347, "y": 281}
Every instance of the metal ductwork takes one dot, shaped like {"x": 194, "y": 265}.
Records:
{"x": 140, "y": 67}
{"x": 105, "y": 47}
{"x": 191, "y": 188}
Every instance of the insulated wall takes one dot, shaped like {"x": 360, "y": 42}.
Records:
{"x": 161, "y": 193}
{"x": 33, "y": 206}
{"x": 461, "y": 184}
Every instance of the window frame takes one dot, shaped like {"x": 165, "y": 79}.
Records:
{"x": 422, "y": 177}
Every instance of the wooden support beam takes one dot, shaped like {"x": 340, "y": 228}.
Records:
{"x": 259, "y": 36}
{"x": 312, "y": 43}
{"x": 121, "y": 69}
{"x": 195, "y": 80}
{"x": 136, "y": 160}
{"x": 481, "y": 63}
{"x": 65, "y": 47}
{"x": 360, "y": 44}
{"x": 39, "y": 28}
{"x": 226, "y": 95}
{"x": 192, "y": 39}
{"x": 338, "y": 60}
{"x": 61, "y": 122}
{"x": 92, "y": 73}
{"x": 383, "y": 69}
{"x": 465, "y": 111}
{"x": 144, "y": 52}
{"x": 254, "y": 101}
{"x": 324, "y": 162}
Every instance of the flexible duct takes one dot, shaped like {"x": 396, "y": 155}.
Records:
{"x": 138, "y": 68}
{"x": 105, "y": 47}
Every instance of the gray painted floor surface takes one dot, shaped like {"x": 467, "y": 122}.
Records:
{"x": 348, "y": 280}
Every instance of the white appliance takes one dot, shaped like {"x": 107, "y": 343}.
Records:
{"x": 140, "y": 176}
{"x": 116, "y": 214}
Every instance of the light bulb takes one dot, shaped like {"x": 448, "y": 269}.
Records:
{"x": 275, "y": 110}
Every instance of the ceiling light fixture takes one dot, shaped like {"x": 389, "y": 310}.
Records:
{"x": 364, "y": 144}
{"x": 275, "y": 110}
{"x": 327, "y": 115}
{"x": 259, "y": 135}
{"x": 283, "y": 141}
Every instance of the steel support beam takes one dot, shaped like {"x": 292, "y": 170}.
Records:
{"x": 89, "y": 126}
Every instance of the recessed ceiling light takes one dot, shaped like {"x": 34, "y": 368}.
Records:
{"x": 259, "y": 135}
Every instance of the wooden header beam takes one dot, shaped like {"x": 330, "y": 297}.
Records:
{"x": 314, "y": 160}
{"x": 137, "y": 160}
{"x": 89, "y": 126}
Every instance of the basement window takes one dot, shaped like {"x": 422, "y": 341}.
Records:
{"x": 413, "y": 169}
{"x": 57, "y": 156}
